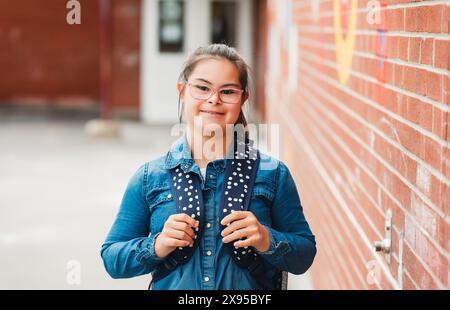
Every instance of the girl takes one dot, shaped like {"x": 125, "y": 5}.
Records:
{"x": 211, "y": 220}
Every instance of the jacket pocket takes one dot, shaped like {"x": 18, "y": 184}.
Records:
{"x": 261, "y": 200}
{"x": 263, "y": 190}
{"x": 161, "y": 205}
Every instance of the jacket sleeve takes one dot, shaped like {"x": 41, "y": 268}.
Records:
{"x": 128, "y": 250}
{"x": 292, "y": 244}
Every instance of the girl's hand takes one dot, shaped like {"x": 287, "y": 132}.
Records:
{"x": 177, "y": 232}
{"x": 245, "y": 224}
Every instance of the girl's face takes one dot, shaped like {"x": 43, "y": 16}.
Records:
{"x": 213, "y": 74}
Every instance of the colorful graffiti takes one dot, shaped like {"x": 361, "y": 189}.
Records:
{"x": 283, "y": 53}
{"x": 345, "y": 16}
{"x": 381, "y": 49}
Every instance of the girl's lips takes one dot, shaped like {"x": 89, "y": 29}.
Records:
{"x": 213, "y": 113}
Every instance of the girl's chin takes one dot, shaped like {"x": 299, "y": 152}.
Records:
{"x": 213, "y": 119}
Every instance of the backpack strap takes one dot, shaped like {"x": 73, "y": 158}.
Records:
{"x": 188, "y": 199}
{"x": 239, "y": 179}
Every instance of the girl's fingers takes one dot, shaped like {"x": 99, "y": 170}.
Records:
{"x": 235, "y": 226}
{"x": 234, "y": 216}
{"x": 244, "y": 243}
{"x": 183, "y": 217}
{"x": 172, "y": 242}
{"x": 240, "y": 233}
{"x": 180, "y": 235}
{"x": 182, "y": 226}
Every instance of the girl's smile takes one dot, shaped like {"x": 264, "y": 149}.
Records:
{"x": 212, "y": 113}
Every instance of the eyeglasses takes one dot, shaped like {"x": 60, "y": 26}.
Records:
{"x": 229, "y": 95}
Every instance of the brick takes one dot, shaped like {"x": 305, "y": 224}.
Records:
{"x": 426, "y": 51}
{"x": 441, "y": 56}
{"x": 434, "y": 85}
{"x": 414, "y": 49}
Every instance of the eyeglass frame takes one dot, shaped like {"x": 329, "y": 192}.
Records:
{"x": 214, "y": 90}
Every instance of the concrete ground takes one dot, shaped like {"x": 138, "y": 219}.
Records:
{"x": 59, "y": 193}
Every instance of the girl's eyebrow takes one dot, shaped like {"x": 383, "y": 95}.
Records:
{"x": 228, "y": 84}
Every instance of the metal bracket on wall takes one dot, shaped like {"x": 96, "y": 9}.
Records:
{"x": 385, "y": 245}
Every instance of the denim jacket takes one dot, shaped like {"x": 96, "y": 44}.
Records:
{"x": 128, "y": 250}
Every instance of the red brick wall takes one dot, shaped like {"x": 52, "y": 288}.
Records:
{"x": 364, "y": 128}
{"x": 45, "y": 60}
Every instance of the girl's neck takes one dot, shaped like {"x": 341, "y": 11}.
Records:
{"x": 206, "y": 148}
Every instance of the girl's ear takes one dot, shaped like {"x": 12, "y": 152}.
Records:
{"x": 180, "y": 87}
{"x": 244, "y": 97}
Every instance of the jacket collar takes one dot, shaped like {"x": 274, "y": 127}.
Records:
{"x": 179, "y": 154}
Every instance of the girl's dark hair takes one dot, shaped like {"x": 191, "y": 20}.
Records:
{"x": 217, "y": 51}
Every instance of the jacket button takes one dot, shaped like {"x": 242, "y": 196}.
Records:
{"x": 208, "y": 253}
{"x": 169, "y": 196}
{"x": 206, "y": 279}
{"x": 208, "y": 225}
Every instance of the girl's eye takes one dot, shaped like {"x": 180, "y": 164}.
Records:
{"x": 202, "y": 88}
{"x": 229, "y": 91}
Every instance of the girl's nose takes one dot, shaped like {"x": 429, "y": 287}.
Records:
{"x": 214, "y": 99}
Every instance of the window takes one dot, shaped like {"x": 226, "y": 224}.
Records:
{"x": 171, "y": 26}
{"x": 223, "y": 14}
